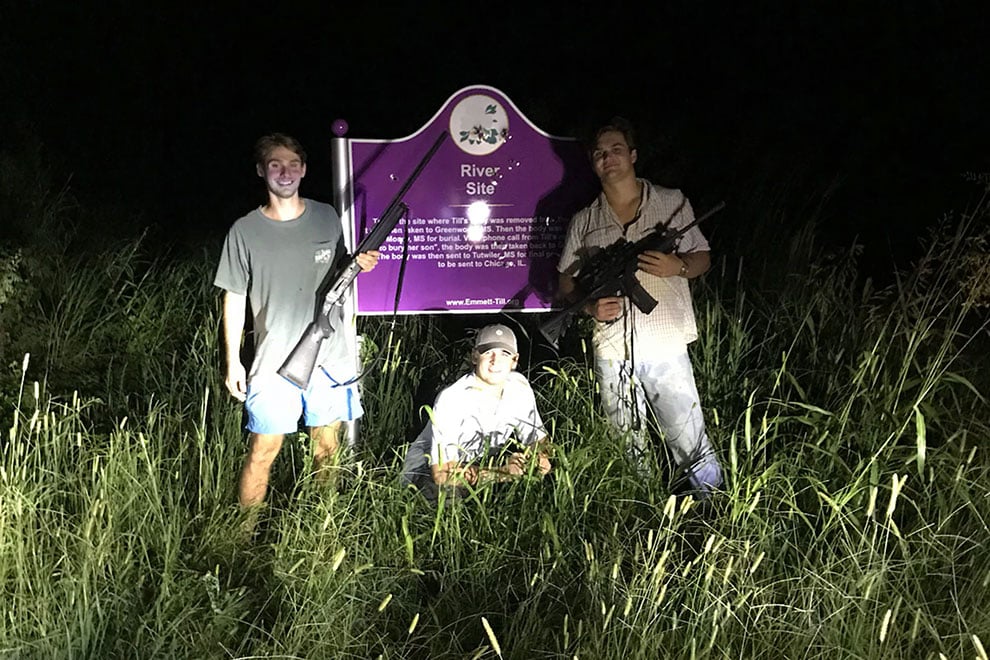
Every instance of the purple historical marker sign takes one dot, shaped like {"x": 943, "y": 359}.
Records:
{"x": 487, "y": 214}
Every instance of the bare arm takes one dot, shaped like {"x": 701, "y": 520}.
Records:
{"x": 607, "y": 308}
{"x": 453, "y": 473}
{"x": 565, "y": 286}
{"x": 368, "y": 260}
{"x": 686, "y": 264}
{"x": 541, "y": 448}
{"x": 234, "y": 311}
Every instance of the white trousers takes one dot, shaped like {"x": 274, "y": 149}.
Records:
{"x": 634, "y": 392}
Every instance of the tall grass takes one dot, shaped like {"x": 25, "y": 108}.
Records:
{"x": 852, "y": 423}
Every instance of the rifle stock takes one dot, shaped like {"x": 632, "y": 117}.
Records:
{"x": 298, "y": 367}
{"x": 613, "y": 272}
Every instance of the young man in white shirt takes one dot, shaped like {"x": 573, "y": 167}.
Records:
{"x": 641, "y": 360}
{"x": 490, "y": 411}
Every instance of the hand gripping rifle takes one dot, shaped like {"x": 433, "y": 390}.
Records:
{"x": 298, "y": 367}
{"x": 613, "y": 271}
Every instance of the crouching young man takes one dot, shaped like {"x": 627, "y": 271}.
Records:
{"x": 490, "y": 412}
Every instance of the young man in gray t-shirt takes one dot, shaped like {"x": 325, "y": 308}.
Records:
{"x": 276, "y": 256}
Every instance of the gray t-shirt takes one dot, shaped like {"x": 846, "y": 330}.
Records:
{"x": 280, "y": 265}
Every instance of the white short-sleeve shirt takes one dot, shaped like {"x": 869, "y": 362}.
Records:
{"x": 471, "y": 417}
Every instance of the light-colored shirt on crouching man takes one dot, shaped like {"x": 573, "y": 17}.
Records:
{"x": 491, "y": 409}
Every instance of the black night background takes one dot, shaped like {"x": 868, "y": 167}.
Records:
{"x": 154, "y": 106}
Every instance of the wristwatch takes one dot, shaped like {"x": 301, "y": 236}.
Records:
{"x": 683, "y": 272}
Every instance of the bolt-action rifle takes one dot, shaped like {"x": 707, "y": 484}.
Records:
{"x": 613, "y": 272}
{"x": 298, "y": 367}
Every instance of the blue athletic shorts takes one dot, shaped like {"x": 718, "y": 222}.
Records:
{"x": 274, "y": 405}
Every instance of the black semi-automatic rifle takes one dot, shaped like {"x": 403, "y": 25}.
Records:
{"x": 613, "y": 272}
{"x": 298, "y": 367}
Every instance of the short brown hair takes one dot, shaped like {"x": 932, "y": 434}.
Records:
{"x": 266, "y": 144}
{"x": 618, "y": 124}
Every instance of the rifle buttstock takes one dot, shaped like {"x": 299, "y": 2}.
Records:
{"x": 298, "y": 367}
{"x": 555, "y": 326}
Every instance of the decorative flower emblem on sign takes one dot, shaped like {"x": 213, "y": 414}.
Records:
{"x": 479, "y": 125}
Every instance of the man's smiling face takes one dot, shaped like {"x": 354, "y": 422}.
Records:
{"x": 283, "y": 171}
{"x": 495, "y": 365}
{"x": 612, "y": 158}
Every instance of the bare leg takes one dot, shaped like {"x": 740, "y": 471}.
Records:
{"x": 257, "y": 468}
{"x": 326, "y": 440}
